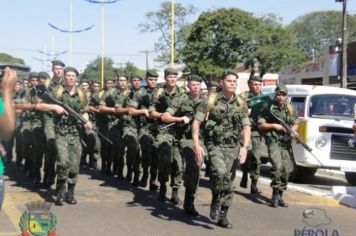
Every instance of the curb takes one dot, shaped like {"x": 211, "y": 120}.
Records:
{"x": 345, "y": 195}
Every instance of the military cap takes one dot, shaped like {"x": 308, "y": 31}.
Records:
{"x": 109, "y": 78}
{"x": 58, "y": 63}
{"x": 170, "y": 71}
{"x": 195, "y": 78}
{"x": 122, "y": 75}
{"x": 229, "y": 72}
{"x": 33, "y": 75}
{"x": 71, "y": 69}
{"x": 152, "y": 73}
{"x": 95, "y": 81}
{"x": 281, "y": 88}
{"x": 134, "y": 76}
{"x": 84, "y": 81}
{"x": 255, "y": 78}
{"x": 43, "y": 75}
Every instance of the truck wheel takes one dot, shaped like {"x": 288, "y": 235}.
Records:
{"x": 351, "y": 178}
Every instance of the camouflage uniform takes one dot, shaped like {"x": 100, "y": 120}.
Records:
{"x": 222, "y": 133}
{"x": 279, "y": 148}
{"x": 169, "y": 160}
{"x": 114, "y": 98}
{"x": 34, "y": 139}
{"x": 186, "y": 106}
{"x": 67, "y": 131}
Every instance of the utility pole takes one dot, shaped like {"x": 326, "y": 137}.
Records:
{"x": 146, "y": 52}
{"x": 344, "y": 45}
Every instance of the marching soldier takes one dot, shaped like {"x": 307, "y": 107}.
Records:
{"x": 278, "y": 141}
{"x": 181, "y": 112}
{"x": 225, "y": 120}
{"x": 170, "y": 162}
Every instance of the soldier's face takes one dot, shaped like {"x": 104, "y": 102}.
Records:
{"x": 96, "y": 87}
{"x": 122, "y": 83}
{"x": 25, "y": 84}
{"x": 281, "y": 98}
{"x": 109, "y": 84}
{"x": 85, "y": 86}
{"x": 171, "y": 80}
{"x": 151, "y": 82}
{"x": 229, "y": 83}
{"x": 136, "y": 83}
{"x": 70, "y": 78}
{"x": 194, "y": 88}
{"x": 255, "y": 87}
{"x": 34, "y": 82}
{"x": 17, "y": 86}
{"x": 57, "y": 71}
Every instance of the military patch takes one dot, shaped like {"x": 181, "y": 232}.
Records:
{"x": 37, "y": 220}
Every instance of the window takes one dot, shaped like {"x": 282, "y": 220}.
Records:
{"x": 299, "y": 105}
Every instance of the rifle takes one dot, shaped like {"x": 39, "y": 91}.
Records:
{"x": 292, "y": 133}
{"x": 49, "y": 98}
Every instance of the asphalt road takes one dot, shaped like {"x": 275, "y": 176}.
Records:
{"x": 109, "y": 207}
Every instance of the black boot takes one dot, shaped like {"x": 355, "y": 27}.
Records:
{"x": 189, "y": 204}
{"x": 108, "y": 169}
{"x": 61, "y": 184}
{"x": 223, "y": 222}
{"x": 175, "y": 197}
{"x": 93, "y": 164}
{"x": 153, "y": 185}
{"x": 244, "y": 179}
{"x": 103, "y": 166}
{"x": 136, "y": 181}
{"x": 120, "y": 173}
{"x": 37, "y": 178}
{"x": 254, "y": 189}
{"x": 144, "y": 179}
{"x": 162, "y": 192}
{"x": 70, "y": 195}
{"x": 275, "y": 198}
{"x": 281, "y": 202}
{"x": 128, "y": 177}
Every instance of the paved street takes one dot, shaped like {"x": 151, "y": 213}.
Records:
{"x": 109, "y": 207}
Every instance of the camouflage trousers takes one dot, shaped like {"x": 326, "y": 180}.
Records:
{"x": 170, "y": 162}
{"x": 92, "y": 148}
{"x": 69, "y": 150}
{"x": 148, "y": 153}
{"x": 222, "y": 167}
{"x": 51, "y": 150}
{"x": 254, "y": 157}
{"x": 39, "y": 147}
{"x": 281, "y": 165}
{"x": 116, "y": 150}
{"x": 105, "y": 146}
{"x": 192, "y": 168}
{"x": 132, "y": 146}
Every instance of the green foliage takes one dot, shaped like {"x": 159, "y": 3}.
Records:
{"x": 223, "y": 38}
{"x": 317, "y": 30}
{"x": 6, "y": 58}
{"x": 93, "y": 70}
{"x": 160, "y": 21}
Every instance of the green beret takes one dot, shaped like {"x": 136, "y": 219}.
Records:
{"x": 58, "y": 63}
{"x": 71, "y": 69}
{"x": 195, "y": 78}
{"x": 43, "y": 75}
{"x": 152, "y": 73}
{"x": 229, "y": 72}
{"x": 122, "y": 75}
{"x": 281, "y": 88}
{"x": 34, "y": 75}
{"x": 95, "y": 81}
{"x": 136, "y": 76}
{"x": 84, "y": 81}
{"x": 255, "y": 78}
{"x": 170, "y": 71}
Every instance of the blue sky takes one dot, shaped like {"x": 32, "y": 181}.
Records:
{"x": 25, "y": 30}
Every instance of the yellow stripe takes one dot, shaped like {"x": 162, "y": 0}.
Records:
{"x": 9, "y": 234}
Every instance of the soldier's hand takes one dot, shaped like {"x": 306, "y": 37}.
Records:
{"x": 146, "y": 113}
{"x": 242, "y": 155}
{"x": 279, "y": 127}
{"x": 88, "y": 125}
{"x": 60, "y": 110}
{"x": 199, "y": 154}
{"x": 185, "y": 119}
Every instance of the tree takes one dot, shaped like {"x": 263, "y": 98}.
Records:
{"x": 220, "y": 39}
{"x": 6, "y": 58}
{"x": 93, "y": 70}
{"x": 160, "y": 21}
{"x": 130, "y": 69}
{"x": 316, "y": 31}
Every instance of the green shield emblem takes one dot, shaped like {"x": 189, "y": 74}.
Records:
{"x": 39, "y": 223}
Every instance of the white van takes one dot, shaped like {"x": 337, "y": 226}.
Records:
{"x": 326, "y": 117}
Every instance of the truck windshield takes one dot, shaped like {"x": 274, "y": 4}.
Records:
{"x": 334, "y": 105}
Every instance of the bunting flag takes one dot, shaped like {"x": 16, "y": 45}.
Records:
{"x": 43, "y": 60}
{"x": 104, "y": 2}
{"x": 70, "y": 31}
{"x": 54, "y": 54}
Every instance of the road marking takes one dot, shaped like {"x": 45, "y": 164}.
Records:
{"x": 9, "y": 234}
